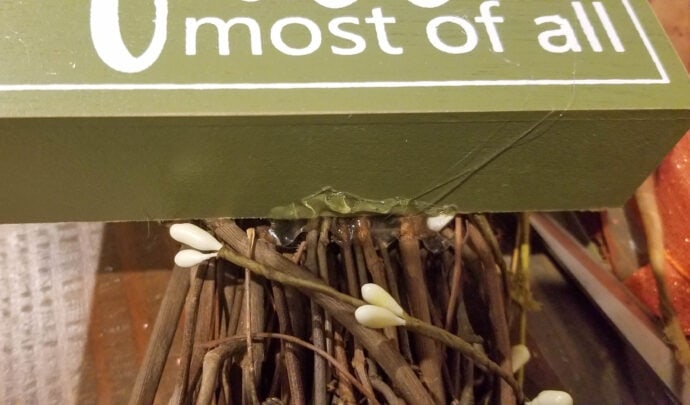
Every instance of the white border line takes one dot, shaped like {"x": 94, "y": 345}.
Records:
{"x": 646, "y": 42}
{"x": 360, "y": 85}
{"x": 321, "y": 85}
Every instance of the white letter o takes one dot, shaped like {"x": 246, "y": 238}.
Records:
{"x": 470, "y": 32}
{"x": 277, "y": 36}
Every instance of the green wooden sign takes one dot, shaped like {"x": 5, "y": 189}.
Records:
{"x": 167, "y": 109}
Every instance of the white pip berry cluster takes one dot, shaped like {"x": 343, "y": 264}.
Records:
{"x": 438, "y": 222}
{"x": 204, "y": 244}
{"x": 383, "y": 310}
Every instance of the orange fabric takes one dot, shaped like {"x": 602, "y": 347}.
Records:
{"x": 673, "y": 199}
{"x": 642, "y": 284}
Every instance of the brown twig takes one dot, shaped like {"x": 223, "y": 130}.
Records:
{"x": 148, "y": 378}
{"x": 417, "y": 292}
{"x": 351, "y": 279}
{"x": 225, "y": 382}
{"x": 227, "y": 284}
{"x": 249, "y": 371}
{"x": 212, "y": 361}
{"x": 360, "y": 265}
{"x": 220, "y": 307}
{"x": 391, "y": 276}
{"x": 359, "y": 360}
{"x": 387, "y": 392}
{"x": 290, "y": 355}
{"x": 345, "y": 241}
{"x": 373, "y": 262}
{"x": 204, "y": 330}
{"x": 496, "y": 307}
{"x": 390, "y": 272}
{"x": 344, "y": 385}
{"x": 297, "y": 303}
{"x": 191, "y": 307}
{"x": 236, "y": 310}
{"x": 454, "y": 359}
{"x": 359, "y": 364}
{"x": 467, "y": 392}
{"x": 456, "y": 278}
{"x": 319, "y": 392}
{"x": 375, "y": 266}
{"x": 437, "y": 284}
{"x": 484, "y": 227}
{"x": 322, "y": 259}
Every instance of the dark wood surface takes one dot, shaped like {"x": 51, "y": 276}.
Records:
{"x": 577, "y": 350}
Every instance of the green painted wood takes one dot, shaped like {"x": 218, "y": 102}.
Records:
{"x": 388, "y": 106}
